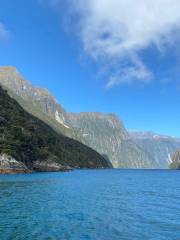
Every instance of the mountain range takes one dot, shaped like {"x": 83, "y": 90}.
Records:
{"x": 105, "y": 133}
{"x": 160, "y": 147}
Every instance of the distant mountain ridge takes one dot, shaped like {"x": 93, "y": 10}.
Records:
{"x": 105, "y": 133}
{"x": 161, "y": 147}
{"x": 150, "y": 135}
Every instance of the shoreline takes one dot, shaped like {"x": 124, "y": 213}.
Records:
{"x": 27, "y": 171}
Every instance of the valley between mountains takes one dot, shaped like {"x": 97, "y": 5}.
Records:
{"x": 40, "y": 134}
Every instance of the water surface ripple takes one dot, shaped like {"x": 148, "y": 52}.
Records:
{"x": 91, "y": 205}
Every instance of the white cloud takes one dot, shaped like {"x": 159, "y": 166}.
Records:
{"x": 114, "y": 32}
{"x": 136, "y": 71}
{"x": 4, "y": 33}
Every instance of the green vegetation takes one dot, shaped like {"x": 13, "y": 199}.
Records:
{"x": 175, "y": 165}
{"x": 28, "y": 139}
{"x": 36, "y": 110}
{"x": 175, "y": 160}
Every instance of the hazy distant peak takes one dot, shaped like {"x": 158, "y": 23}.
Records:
{"x": 149, "y": 135}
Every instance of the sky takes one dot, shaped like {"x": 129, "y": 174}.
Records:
{"x": 118, "y": 56}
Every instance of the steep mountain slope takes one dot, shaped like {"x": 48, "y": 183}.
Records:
{"x": 107, "y": 135}
{"x": 30, "y": 141}
{"x": 160, "y": 147}
{"x": 37, "y": 101}
{"x": 175, "y": 160}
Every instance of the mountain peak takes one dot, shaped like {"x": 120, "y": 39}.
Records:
{"x": 10, "y": 76}
{"x": 10, "y": 69}
{"x": 150, "y": 135}
{"x": 34, "y": 98}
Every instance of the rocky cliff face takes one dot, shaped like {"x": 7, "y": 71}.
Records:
{"x": 158, "y": 146}
{"x": 175, "y": 160}
{"x": 106, "y": 134}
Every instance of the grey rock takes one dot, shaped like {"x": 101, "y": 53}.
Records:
{"x": 45, "y": 166}
{"x": 9, "y": 165}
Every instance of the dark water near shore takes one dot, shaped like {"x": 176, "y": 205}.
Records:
{"x": 91, "y": 204}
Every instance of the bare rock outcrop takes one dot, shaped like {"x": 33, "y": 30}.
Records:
{"x": 10, "y": 165}
{"x": 45, "y": 166}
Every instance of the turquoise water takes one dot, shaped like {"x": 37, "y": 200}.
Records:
{"x": 91, "y": 204}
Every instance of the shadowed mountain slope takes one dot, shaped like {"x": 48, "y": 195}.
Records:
{"x": 29, "y": 140}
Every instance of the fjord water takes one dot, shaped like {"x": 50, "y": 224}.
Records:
{"x": 91, "y": 204}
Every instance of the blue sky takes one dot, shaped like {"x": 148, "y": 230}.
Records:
{"x": 109, "y": 56}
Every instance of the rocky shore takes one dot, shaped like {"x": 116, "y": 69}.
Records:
{"x": 9, "y": 165}
{"x": 45, "y": 166}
